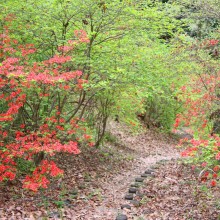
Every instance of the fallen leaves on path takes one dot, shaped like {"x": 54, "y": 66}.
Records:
{"x": 96, "y": 181}
{"x": 176, "y": 194}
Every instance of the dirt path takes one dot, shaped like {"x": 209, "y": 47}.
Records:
{"x": 96, "y": 181}
{"x": 101, "y": 178}
{"x": 116, "y": 189}
{"x": 174, "y": 193}
{"x": 146, "y": 149}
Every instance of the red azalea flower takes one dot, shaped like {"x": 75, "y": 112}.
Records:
{"x": 216, "y": 168}
{"x": 215, "y": 175}
{"x": 217, "y": 156}
{"x": 213, "y": 183}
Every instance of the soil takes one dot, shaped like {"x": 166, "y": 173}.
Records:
{"x": 96, "y": 181}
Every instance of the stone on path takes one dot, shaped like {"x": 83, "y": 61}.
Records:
{"x": 121, "y": 217}
{"x": 54, "y": 214}
{"x": 139, "y": 179}
{"x": 129, "y": 196}
{"x": 136, "y": 185}
{"x": 149, "y": 171}
{"x": 144, "y": 175}
{"x": 132, "y": 190}
{"x": 135, "y": 203}
{"x": 125, "y": 206}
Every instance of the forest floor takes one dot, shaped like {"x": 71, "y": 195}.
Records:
{"x": 97, "y": 180}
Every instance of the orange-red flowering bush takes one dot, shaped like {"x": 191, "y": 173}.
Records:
{"x": 206, "y": 155}
{"x": 201, "y": 97}
{"x": 37, "y": 118}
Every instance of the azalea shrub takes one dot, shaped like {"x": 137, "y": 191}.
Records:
{"x": 205, "y": 155}
{"x": 201, "y": 99}
{"x": 201, "y": 95}
{"x": 37, "y": 116}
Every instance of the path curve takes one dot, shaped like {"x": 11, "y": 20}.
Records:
{"x": 147, "y": 148}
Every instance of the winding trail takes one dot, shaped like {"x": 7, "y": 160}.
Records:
{"x": 147, "y": 149}
{"x": 96, "y": 181}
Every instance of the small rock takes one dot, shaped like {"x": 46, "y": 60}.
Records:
{"x": 144, "y": 175}
{"x": 139, "y": 179}
{"x": 68, "y": 202}
{"x": 147, "y": 211}
{"x": 135, "y": 203}
{"x": 121, "y": 217}
{"x": 54, "y": 215}
{"x": 129, "y": 196}
{"x": 149, "y": 171}
{"x": 125, "y": 206}
{"x": 132, "y": 190}
{"x": 136, "y": 185}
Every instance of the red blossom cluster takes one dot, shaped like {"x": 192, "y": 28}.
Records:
{"x": 81, "y": 36}
{"x": 209, "y": 43}
{"x": 199, "y": 101}
{"x": 39, "y": 177}
{"x": 51, "y": 79}
{"x": 197, "y": 148}
{"x": 200, "y": 98}
{"x": 35, "y": 116}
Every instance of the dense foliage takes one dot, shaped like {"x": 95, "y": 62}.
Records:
{"x": 68, "y": 66}
{"x": 201, "y": 94}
